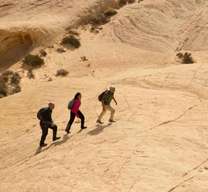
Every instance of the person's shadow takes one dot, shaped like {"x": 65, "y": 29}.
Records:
{"x": 59, "y": 142}
{"x": 99, "y": 129}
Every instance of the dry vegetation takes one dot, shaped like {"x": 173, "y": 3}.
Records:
{"x": 110, "y": 12}
{"x": 60, "y": 50}
{"x": 43, "y": 53}
{"x": 185, "y": 58}
{"x": 62, "y": 73}
{"x": 73, "y": 32}
{"x": 9, "y": 83}
{"x": 124, "y": 2}
{"x": 33, "y": 61}
{"x": 71, "y": 41}
{"x": 101, "y": 18}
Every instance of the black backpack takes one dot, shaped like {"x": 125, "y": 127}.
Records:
{"x": 39, "y": 114}
{"x": 101, "y": 96}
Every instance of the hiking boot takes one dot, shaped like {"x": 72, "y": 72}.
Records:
{"x": 98, "y": 121}
{"x": 43, "y": 145}
{"x": 112, "y": 121}
{"x": 84, "y": 127}
{"x": 56, "y": 138}
{"x": 67, "y": 131}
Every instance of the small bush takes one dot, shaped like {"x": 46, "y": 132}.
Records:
{"x": 9, "y": 83}
{"x": 83, "y": 58}
{"x": 121, "y": 3}
{"x": 6, "y": 75}
{"x": 62, "y": 73}
{"x": 94, "y": 29}
{"x": 60, "y": 50}
{"x": 71, "y": 41}
{"x": 43, "y": 53}
{"x": 179, "y": 55}
{"x": 3, "y": 92}
{"x": 131, "y": 1}
{"x": 99, "y": 19}
{"x": 33, "y": 61}
{"x": 110, "y": 12}
{"x": 73, "y": 32}
{"x": 15, "y": 79}
{"x": 49, "y": 79}
{"x": 185, "y": 58}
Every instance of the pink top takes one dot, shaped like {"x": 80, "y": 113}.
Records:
{"x": 76, "y": 105}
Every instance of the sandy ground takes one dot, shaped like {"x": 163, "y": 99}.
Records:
{"x": 160, "y": 139}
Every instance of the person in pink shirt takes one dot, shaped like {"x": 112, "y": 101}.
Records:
{"x": 75, "y": 112}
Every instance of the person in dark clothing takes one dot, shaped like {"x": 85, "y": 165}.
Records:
{"x": 46, "y": 122}
{"x": 75, "y": 112}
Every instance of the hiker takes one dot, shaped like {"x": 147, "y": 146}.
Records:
{"x": 106, "y": 97}
{"x": 74, "y": 106}
{"x": 44, "y": 115}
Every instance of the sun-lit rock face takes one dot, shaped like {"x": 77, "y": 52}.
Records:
{"x": 159, "y": 140}
{"x": 163, "y": 25}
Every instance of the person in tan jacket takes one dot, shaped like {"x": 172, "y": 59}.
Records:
{"x": 105, "y": 98}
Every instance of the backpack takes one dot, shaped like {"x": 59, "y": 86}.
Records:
{"x": 70, "y": 104}
{"x": 101, "y": 96}
{"x": 39, "y": 114}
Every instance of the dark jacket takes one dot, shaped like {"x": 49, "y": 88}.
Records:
{"x": 46, "y": 114}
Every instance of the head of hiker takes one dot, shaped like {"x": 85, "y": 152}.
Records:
{"x": 51, "y": 106}
{"x": 77, "y": 96}
{"x": 112, "y": 89}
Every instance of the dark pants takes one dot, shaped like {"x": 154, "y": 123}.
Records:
{"x": 44, "y": 126}
{"x": 72, "y": 117}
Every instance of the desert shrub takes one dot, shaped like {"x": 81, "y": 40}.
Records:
{"x": 6, "y": 75}
{"x": 15, "y": 79}
{"x": 2, "y": 89}
{"x": 51, "y": 46}
{"x": 122, "y": 2}
{"x": 99, "y": 19}
{"x": 62, "y": 72}
{"x": 2, "y": 94}
{"x": 83, "y": 58}
{"x": 73, "y": 32}
{"x": 179, "y": 55}
{"x": 110, "y": 12}
{"x": 60, "y": 50}
{"x": 185, "y": 58}
{"x": 131, "y": 1}
{"x": 95, "y": 29}
{"x": 9, "y": 83}
{"x": 71, "y": 41}
{"x": 43, "y": 53}
{"x": 33, "y": 61}
{"x": 49, "y": 79}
